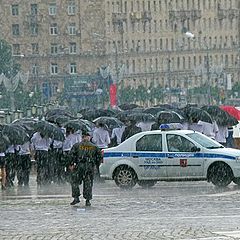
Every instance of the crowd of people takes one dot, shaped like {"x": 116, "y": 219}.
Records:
{"x": 80, "y": 152}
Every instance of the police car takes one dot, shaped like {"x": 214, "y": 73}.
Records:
{"x": 174, "y": 155}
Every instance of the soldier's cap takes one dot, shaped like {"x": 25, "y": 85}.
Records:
{"x": 85, "y": 133}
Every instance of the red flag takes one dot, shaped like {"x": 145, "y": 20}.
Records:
{"x": 113, "y": 94}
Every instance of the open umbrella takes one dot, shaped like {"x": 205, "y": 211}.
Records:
{"x": 111, "y": 122}
{"x": 141, "y": 117}
{"x": 77, "y": 124}
{"x": 58, "y": 119}
{"x": 27, "y": 124}
{"x": 15, "y": 133}
{"x": 128, "y": 106}
{"x": 92, "y": 114}
{"x": 49, "y": 130}
{"x": 170, "y": 117}
{"x": 196, "y": 114}
{"x": 58, "y": 112}
{"x": 4, "y": 143}
{"x": 153, "y": 110}
{"x": 222, "y": 117}
{"x": 232, "y": 111}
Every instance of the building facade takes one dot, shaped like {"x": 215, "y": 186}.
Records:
{"x": 143, "y": 42}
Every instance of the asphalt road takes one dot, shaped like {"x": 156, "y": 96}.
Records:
{"x": 169, "y": 210}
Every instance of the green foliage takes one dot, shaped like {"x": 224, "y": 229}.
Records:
{"x": 7, "y": 64}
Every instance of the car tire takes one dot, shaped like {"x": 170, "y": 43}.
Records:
{"x": 125, "y": 177}
{"x": 146, "y": 184}
{"x": 220, "y": 174}
{"x": 236, "y": 181}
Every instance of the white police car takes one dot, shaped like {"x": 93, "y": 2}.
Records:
{"x": 173, "y": 155}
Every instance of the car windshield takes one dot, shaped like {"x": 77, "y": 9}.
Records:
{"x": 204, "y": 141}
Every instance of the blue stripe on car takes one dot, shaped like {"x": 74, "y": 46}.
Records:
{"x": 165, "y": 155}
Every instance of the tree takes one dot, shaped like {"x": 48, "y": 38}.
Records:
{"x": 7, "y": 64}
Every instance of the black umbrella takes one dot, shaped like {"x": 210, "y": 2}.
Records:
{"x": 57, "y": 112}
{"x": 77, "y": 125}
{"x": 27, "y": 124}
{"x": 169, "y": 117}
{"x": 141, "y": 117}
{"x": 154, "y": 110}
{"x": 92, "y": 114}
{"x": 49, "y": 130}
{"x": 111, "y": 122}
{"x": 222, "y": 117}
{"x": 4, "y": 143}
{"x": 15, "y": 133}
{"x": 195, "y": 114}
{"x": 128, "y": 106}
{"x": 58, "y": 119}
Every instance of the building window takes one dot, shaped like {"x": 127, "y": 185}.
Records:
{"x": 72, "y": 29}
{"x": 71, "y": 8}
{"x": 34, "y": 9}
{"x": 54, "y": 48}
{"x": 53, "y": 29}
{"x": 52, "y": 9}
{"x": 72, "y": 48}
{"x": 54, "y": 69}
{"x": 35, "y": 48}
{"x": 15, "y": 30}
{"x": 15, "y": 11}
{"x": 34, "y": 29}
{"x": 72, "y": 68}
{"x": 16, "y": 49}
{"x": 35, "y": 69}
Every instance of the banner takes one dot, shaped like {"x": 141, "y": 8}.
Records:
{"x": 113, "y": 95}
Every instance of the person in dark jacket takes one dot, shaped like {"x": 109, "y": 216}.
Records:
{"x": 84, "y": 157}
{"x": 130, "y": 130}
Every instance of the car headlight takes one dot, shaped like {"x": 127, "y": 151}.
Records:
{"x": 238, "y": 158}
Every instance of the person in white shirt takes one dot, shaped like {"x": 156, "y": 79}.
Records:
{"x": 145, "y": 126}
{"x": 236, "y": 136}
{"x": 23, "y": 164}
{"x": 101, "y": 136}
{"x": 222, "y": 135}
{"x": 195, "y": 125}
{"x": 209, "y": 129}
{"x": 41, "y": 144}
{"x": 102, "y": 139}
{"x": 116, "y": 136}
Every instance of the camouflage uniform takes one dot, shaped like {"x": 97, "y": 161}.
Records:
{"x": 84, "y": 156}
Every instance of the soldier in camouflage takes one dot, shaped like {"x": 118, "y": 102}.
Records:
{"x": 84, "y": 157}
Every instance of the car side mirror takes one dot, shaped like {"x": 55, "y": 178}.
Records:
{"x": 195, "y": 149}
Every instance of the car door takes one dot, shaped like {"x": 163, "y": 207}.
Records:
{"x": 151, "y": 159}
{"x": 181, "y": 161}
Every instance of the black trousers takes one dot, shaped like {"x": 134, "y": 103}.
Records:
{"x": 79, "y": 176}
{"x": 23, "y": 169}
{"x": 11, "y": 165}
{"x": 43, "y": 167}
{"x": 56, "y": 165}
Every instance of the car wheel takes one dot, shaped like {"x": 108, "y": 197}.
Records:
{"x": 236, "y": 181}
{"x": 125, "y": 177}
{"x": 146, "y": 184}
{"x": 220, "y": 174}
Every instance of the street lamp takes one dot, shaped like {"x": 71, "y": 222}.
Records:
{"x": 209, "y": 93}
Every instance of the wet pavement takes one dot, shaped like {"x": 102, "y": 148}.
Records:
{"x": 169, "y": 210}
